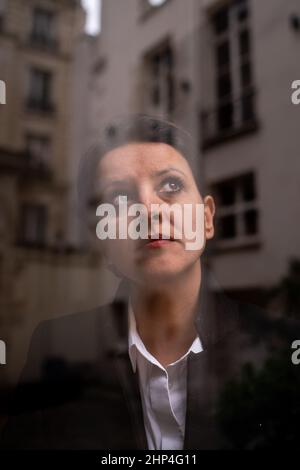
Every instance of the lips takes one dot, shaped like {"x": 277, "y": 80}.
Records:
{"x": 159, "y": 241}
{"x": 160, "y": 236}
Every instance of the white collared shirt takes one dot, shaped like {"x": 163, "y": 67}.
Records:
{"x": 163, "y": 391}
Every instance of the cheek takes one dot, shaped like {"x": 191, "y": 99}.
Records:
{"x": 193, "y": 219}
{"x": 120, "y": 252}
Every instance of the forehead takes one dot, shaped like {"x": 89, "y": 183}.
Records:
{"x": 141, "y": 159}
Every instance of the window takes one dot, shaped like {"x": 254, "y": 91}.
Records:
{"x": 33, "y": 224}
{"x": 149, "y": 6}
{"x": 160, "y": 76}
{"x": 40, "y": 87}
{"x": 237, "y": 212}
{"x": 156, "y": 3}
{"x": 43, "y": 24}
{"x": 39, "y": 150}
{"x": 233, "y": 76}
{"x": 2, "y": 13}
{"x": 2, "y": 92}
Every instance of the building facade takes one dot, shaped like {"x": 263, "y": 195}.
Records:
{"x": 223, "y": 70}
{"x": 36, "y": 59}
{"x": 42, "y": 272}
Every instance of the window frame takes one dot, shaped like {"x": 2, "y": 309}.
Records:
{"x": 44, "y": 102}
{"x": 160, "y": 78}
{"x": 238, "y": 209}
{"x": 38, "y": 36}
{"x": 39, "y": 239}
{"x": 235, "y": 113}
{"x": 35, "y": 161}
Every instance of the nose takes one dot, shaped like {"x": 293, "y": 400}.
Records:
{"x": 151, "y": 201}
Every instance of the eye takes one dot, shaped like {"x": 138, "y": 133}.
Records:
{"x": 118, "y": 197}
{"x": 171, "y": 184}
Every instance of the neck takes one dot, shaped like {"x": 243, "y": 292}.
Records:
{"x": 165, "y": 314}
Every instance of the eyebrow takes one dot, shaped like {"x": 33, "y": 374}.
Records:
{"x": 127, "y": 180}
{"x": 167, "y": 170}
{"x": 114, "y": 182}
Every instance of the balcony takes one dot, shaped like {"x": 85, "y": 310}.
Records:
{"x": 43, "y": 42}
{"x": 42, "y": 106}
{"x": 36, "y": 245}
{"x": 34, "y": 168}
{"x": 230, "y": 119}
{"x": 24, "y": 165}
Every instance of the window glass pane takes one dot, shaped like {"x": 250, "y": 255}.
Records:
{"x": 223, "y": 54}
{"x": 248, "y": 187}
{"x": 33, "y": 223}
{"x": 42, "y": 25}
{"x": 250, "y": 222}
{"x": 221, "y": 21}
{"x": 225, "y": 117}
{"x": 224, "y": 85}
{"x": 233, "y": 107}
{"x": 161, "y": 78}
{"x": 40, "y": 86}
{"x": 226, "y": 193}
{"x": 244, "y": 40}
{"x": 248, "y": 114}
{"x": 227, "y": 227}
{"x": 246, "y": 75}
{"x": 242, "y": 10}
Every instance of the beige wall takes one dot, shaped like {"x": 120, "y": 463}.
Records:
{"x": 40, "y": 284}
{"x": 16, "y": 57}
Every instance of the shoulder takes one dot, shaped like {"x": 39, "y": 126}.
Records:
{"x": 69, "y": 325}
{"x": 77, "y": 338}
{"x": 96, "y": 320}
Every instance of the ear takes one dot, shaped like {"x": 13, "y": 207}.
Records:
{"x": 209, "y": 212}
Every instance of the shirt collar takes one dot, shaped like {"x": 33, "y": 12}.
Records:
{"x": 131, "y": 337}
{"x": 135, "y": 343}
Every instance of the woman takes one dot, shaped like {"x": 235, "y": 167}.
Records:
{"x": 163, "y": 276}
{"x": 149, "y": 370}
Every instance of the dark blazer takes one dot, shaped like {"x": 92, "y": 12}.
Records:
{"x": 78, "y": 389}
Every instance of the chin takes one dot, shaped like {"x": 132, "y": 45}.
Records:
{"x": 160, "y": 271}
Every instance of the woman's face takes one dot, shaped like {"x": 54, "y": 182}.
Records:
{"x": 151, "y": 173}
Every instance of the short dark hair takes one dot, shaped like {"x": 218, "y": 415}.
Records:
{"x": 121, "y": 131}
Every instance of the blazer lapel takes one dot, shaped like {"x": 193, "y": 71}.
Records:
{"x": 217, "y": 317}
{"x": 127, "y": 378}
